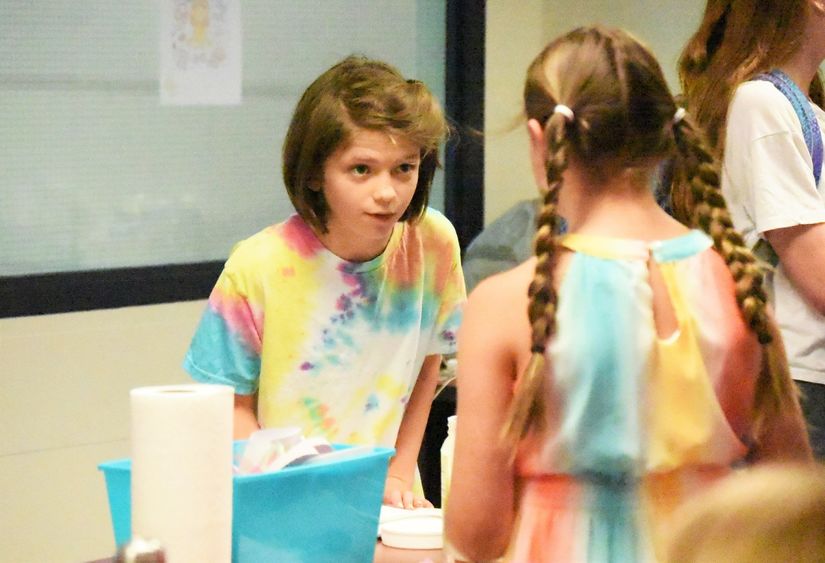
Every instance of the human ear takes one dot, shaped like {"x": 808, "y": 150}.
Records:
{"x": 538, "y": 153}
{"x": 315, "y": 184}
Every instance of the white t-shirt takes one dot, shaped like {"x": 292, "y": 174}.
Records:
{"x": 767, "y": 179}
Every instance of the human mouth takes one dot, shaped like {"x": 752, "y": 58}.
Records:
{"x": 383, "y": 217}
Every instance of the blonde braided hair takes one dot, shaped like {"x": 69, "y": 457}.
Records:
{"x": 705, "y": 208}
{"x": 528, "y": 406}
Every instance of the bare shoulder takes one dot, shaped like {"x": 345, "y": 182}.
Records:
{"x": 495, "y": 317}
{"x": 495, "y": 331}
{"x": 505, "y": 288}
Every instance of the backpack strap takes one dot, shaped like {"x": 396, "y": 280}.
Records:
{"x": 802, "y": 108}
{"x": 811, "y": 133}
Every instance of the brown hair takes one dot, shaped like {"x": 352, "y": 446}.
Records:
{"x": 358, "y": 93}
{"x": 623, "y": 118}
{"x": 736, "y": 41}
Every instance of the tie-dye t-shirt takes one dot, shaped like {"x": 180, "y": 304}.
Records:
{"x": 332, "y": 346}
{"x": 636, "y": 422}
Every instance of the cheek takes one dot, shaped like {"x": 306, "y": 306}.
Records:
{"x": 411, "y": 186}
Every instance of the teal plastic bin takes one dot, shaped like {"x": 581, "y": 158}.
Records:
{"x": 315, "y": 513}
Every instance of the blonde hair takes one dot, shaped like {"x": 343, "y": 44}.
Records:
{"x": 624, "y": 117}
{"x": 736, "y": 41}
{"x": 357, "y": 93}
{"x": 771, "y": 513}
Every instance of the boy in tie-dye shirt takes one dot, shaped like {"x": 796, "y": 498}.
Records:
{"x": 336, "y": 319}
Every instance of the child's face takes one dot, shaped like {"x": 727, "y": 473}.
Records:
{"x": 368, "y": 184}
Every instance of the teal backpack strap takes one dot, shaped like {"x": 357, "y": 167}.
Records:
{"x": 811, "y": 133}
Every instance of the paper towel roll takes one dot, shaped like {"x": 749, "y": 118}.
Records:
{"x": 182, "y": 470}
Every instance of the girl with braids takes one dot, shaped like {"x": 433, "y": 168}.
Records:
{"x": 633, "y": 360}
{"x": 750, "y": 77}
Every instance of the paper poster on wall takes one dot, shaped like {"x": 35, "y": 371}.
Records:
{"x": 200, "y": 52}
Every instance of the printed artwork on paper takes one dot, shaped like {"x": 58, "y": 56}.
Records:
{"x": 200, "y": 46}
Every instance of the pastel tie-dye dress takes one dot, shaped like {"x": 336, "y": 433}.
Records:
{"x": 332, "y": 346}
{"x": 636, "y": 422}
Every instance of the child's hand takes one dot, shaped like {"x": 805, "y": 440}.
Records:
{"x": 398, "y": 493}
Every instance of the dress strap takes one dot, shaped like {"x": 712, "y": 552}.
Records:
{"x": 606, "y": 247}
{"x": 667, "y": 250}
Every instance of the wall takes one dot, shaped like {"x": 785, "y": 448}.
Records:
{"x": 64, "y": 409}
{"x": 514, "y": 37}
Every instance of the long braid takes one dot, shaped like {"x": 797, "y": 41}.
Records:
{"x": 707, "y": 210}
{"x": 528, "y": 406}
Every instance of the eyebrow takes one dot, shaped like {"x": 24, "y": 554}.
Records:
{"x": 371, "y": 159}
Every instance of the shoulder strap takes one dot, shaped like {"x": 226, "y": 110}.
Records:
{"x": 811, "y": 134}
{"x": 802, "y": 108}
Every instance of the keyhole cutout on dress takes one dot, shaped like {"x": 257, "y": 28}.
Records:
{"x": 664, "y": 314}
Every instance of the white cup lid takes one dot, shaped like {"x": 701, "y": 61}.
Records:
{"x": 422, "y": 528}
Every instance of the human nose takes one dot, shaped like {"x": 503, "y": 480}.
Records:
{"x": 386, "y": 192}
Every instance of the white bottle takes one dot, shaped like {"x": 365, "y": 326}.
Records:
{"x": 447, "y": 449}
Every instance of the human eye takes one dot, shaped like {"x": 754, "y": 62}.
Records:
{"x": 407, "y": 167}
{"x": 360, "y": 169}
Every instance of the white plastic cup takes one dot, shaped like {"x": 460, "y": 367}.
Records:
{"x": 447, "y": 449}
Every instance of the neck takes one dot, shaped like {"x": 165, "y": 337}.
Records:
{"x": 622, "y": 206}
{"x": 801, "y": 72}
{"x": 804, "y": 63}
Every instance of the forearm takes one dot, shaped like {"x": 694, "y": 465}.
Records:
{"x": 480, "y": 507}
{"x": 245, "y": 422}
{"x": 414, "y": 421}
{"x": 481, "y": 512}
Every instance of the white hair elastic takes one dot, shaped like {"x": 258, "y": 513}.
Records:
{"x": 565, "y": 111}
{"x": 679, "y": 115}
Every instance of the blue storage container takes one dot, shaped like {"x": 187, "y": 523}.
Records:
{"x": 326, "y": 511}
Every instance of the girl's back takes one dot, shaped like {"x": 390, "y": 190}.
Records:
{"x": 650, "y": 391}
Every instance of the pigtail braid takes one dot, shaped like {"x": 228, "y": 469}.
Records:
{"x": 705, "y": 208}
{"x": 528, "y": 406}
{"x": 710, "y": 213}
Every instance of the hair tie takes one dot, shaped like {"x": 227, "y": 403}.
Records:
{"x": 679, "y": 115}
{"x": 568, "y": 114}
